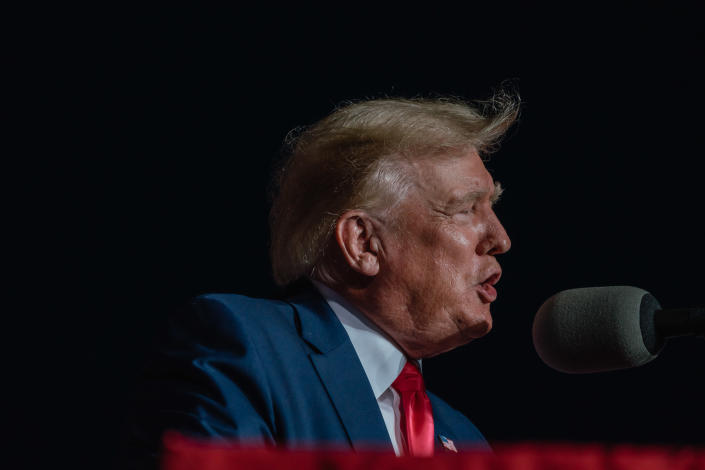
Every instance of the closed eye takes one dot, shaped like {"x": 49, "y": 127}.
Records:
{"x": 467, "y": 203}
{"x": 467, "y": 210}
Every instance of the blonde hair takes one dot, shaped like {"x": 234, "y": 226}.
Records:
{"x": 357, "y": 158}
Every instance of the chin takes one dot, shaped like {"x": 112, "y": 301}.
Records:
{"x": 481, "y": 329}
{"x": 476, "y": 323}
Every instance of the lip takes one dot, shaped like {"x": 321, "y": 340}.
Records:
{"x": 486, "y": 289}
{"x": 487, "y": 293}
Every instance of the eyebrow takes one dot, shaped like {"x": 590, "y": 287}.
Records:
{"x": 476, "y": 195}
{"x": 498, "y": 190}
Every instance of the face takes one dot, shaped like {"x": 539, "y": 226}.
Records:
{"x": 440, "y": 263}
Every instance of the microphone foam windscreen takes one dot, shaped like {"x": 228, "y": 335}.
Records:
{"x": 591, "y": 329}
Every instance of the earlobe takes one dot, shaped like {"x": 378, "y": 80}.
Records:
{"x": 354, "y": 233}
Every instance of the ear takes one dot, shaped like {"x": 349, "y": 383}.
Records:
{"x": 358, "y": 242}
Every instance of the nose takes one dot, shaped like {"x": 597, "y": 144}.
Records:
{"x": 496, "y": 241}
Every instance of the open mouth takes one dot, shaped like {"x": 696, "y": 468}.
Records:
{"x": 486, "y": 289}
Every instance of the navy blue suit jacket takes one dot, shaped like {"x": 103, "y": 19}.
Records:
{"x": 268, "y": 372}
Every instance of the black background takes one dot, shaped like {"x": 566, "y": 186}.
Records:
{"x": 164, "y": 125}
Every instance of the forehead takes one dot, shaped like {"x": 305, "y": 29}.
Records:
{"x": 453, "y": 177}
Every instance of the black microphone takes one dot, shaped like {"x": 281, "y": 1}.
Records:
{"x": 597, "y": 329}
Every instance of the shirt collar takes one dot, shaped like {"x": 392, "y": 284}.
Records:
{"x": 380, "y": 358}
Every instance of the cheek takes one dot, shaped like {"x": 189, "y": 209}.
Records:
{"x": 459, "y": 251}
{"x": 460, "y": 243}
{"x": 450, "y": 271}
{"x": 459, "y": 236}
{"x": 438, "y": 260}
{"x": 448, "y": 239}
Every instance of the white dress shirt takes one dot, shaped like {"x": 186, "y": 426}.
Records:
{"x": 380, "y": 358}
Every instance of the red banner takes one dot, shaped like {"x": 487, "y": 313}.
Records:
{"x": 181, "y": 453}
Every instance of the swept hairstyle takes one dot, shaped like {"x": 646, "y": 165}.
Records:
{"x": 357, "y": 158}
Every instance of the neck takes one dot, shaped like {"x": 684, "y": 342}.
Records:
{"x": 380, "y": 306}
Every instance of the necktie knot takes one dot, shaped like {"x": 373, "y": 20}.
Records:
{"x": 409, "y": 379}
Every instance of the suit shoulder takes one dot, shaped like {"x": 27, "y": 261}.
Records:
{"x": 240, "y": 308}
{"x": 239, "y": 301}
{"x": 218, "y": 319}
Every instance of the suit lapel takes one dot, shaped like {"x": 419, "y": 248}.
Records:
{"x": 348, "y": 388}
{"x": 440, "y": 428}
{"x": 341, "y": 373}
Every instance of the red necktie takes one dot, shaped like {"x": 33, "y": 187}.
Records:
{"x": 416, "y": 419}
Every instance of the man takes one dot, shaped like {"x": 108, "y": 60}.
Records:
{"x": 385, "y": 208}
